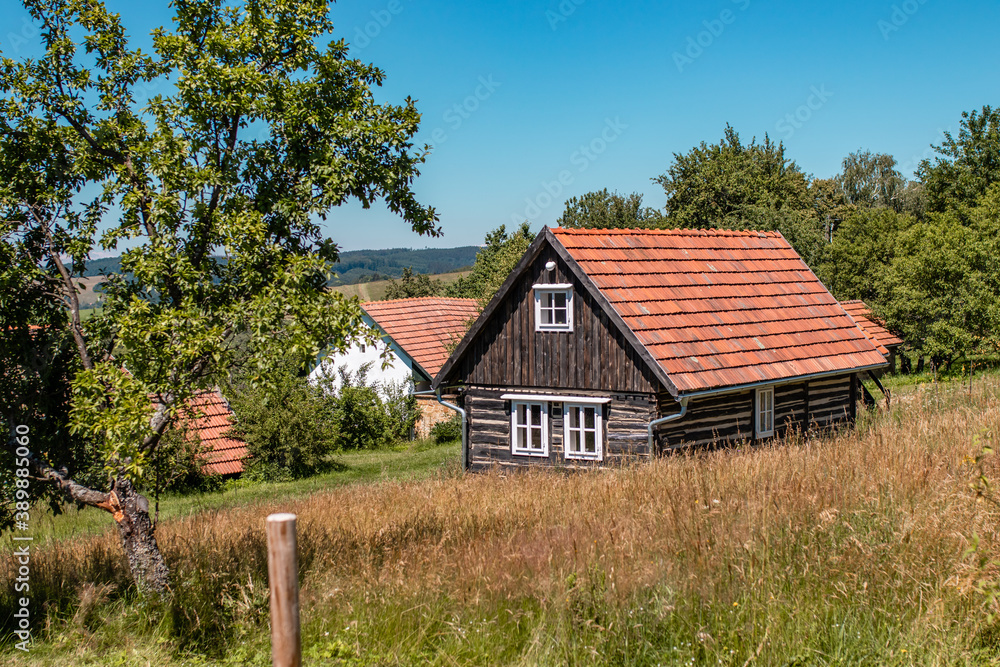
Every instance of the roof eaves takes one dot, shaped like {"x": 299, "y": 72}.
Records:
{"x": 396, "y": 347}
{"x": 529, "y": 256}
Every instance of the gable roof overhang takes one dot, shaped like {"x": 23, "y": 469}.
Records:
{"x": 546, "y": 238}
{"x": 806, "y": 333}
{"x": 419, "y": 329}
{"x": 397, "y": 349}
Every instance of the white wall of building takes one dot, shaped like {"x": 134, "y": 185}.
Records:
{"x": 357, "y": 356}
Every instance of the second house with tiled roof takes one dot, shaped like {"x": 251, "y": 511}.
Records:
{"x": 417, "y": 335}
{"x": 604, "y": 345}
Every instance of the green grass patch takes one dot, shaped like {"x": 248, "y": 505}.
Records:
{"x": 407, "y": 462}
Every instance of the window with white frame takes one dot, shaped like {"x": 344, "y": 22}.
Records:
{"x": 529, "y": 428}
{"x": 765, "y": 412}
{"x": 583, "y": 432}
{"x": 553, "y": 307}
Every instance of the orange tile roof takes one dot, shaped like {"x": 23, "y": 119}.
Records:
{"x": 719, "y": 309}
{"x": 424, "y": 327}
{"x": 877, "y": 333}
{"x": 208, "y": 415}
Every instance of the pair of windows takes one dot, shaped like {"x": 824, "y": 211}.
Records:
{"x": 582, "y": 428}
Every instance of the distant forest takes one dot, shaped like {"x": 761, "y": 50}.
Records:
{"x": 360, "y": 266}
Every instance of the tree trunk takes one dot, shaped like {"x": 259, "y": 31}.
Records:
{"x": 131, "y": 511}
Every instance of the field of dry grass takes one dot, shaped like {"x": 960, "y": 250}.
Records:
{"x": 847, "y": 549}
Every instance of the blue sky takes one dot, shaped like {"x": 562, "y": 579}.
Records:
{"x": 529, "y": 103}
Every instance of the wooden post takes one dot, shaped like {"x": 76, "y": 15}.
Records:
{"x": 283, "y": 580}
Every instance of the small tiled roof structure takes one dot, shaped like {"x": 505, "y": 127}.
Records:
{"x": 707, "y": 310}
{"x": 718, "y": 308}
{"x": 878, "y": 334}
{"x": 423, "y": 327}
{"x": 208, "y": 416}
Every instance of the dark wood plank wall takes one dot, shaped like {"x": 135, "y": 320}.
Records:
{"x": 625, "y": 419}
{"x": 712, "y": 420}
{"x": 594, "y": 356}
{"x": 830, "y": 402}
{"x": 728, "y": 418}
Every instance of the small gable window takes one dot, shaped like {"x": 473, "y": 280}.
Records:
{"x": 765, "y": 412}
{"x": 553, "y": 307}
{"x": 529, "y": 428}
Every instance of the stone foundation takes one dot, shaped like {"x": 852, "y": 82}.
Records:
{"x": 431, "y": 413}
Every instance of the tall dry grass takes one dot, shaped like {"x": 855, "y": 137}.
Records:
{"x": 845, "y": 548}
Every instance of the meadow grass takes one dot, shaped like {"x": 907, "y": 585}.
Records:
{"x": 850, "y": 548}
{"x": 411, "y": 461}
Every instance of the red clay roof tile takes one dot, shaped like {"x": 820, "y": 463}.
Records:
{"x": 861, "y": 313}
{"x": 208, "y": 416}
{"x": 424, "y": 327}
{"x": 719, "y": 308}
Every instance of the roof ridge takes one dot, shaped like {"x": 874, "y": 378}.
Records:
{"x": 412, "y": 299}
{"x": 669, "y": 232}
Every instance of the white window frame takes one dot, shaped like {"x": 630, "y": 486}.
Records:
{"x": 764, "y": 412}
{"x": 598, "y": 430}
{"x": 517, "y": 447}
{"x": 552, "y": 289}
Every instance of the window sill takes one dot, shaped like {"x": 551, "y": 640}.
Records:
{"x": 584, "y": 457}
{"x": 524, "y": 452}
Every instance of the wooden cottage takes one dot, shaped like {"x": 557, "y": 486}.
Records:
{"x": 608, "y": 344}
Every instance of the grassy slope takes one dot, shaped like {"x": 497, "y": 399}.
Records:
{"x": 374, "y": 291}
{"x": 848, "y": 549}
{"x": 366, "y": 466}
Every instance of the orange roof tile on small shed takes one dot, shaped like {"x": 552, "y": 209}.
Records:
{"x": 208, "y": 415}
{"x": 423, "y": 327}
{"x": 719, "y": 308}
{"x": 878, "y": 334}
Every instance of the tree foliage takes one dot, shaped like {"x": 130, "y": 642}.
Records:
{"x": 967, "y": 165}
{"x": 366, "y": 414}
{"x": 608, "y": 210}
{"x": 288, "y": 425}
{"x": 730, "y": 185}
{"x": 870, "y": 180}
{"x": 411, "y": 286}
{"x": 216, "y": 186}
{"x": 721, "y": 185}
{"x": 493, "y": 264}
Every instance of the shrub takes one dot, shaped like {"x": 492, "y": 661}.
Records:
{"x": 369, "y": 415}
{"x": 447, "y": 431}
{"x": 288, "y": 425}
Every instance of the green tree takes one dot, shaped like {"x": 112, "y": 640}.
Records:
{"x": 966, "y": 165}
{"x": 721, "y": 185}
{"x": 288, "y": 426}
{"x": 944, "y": 283}
{"x": 870, "y": 180}
{"x": 410, "y": 286}
{"x": 730, "y": 185}
{"x": 368, "y": 415}
{"x": 262, "y": 125}
{"x": 858, "y": 259}
{"x": 493, "y": 264}
{"x": 608, "y": 210}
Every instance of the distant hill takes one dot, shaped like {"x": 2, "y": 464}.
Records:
{"x": 375, "y": 290}
{"x": 359, "y": 266}
{"x": 104, "y": 266}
